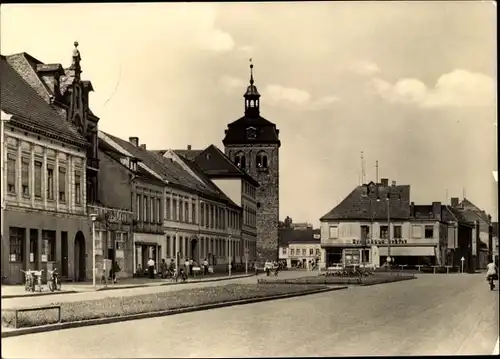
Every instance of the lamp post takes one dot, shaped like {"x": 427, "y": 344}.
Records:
{"x": 93, "y": 217}
{"x": 229, "y": 253}
{"x": 176, "y": 246}
{"x": 4, "y": 118}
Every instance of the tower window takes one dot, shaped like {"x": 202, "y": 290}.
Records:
{"x": 261, "y": 160}
{"x": 240, "y": 160}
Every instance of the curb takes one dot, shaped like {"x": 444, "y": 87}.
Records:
{"x": 341, "y": 284}
{"x": 163, "y": 313}
{"x": 131, "y": 286}
{"x": 39, "y": 294}
{"x": 394, "y": 281}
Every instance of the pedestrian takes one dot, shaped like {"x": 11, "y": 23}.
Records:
{"x": 186, "y": 266}
{"x": 163, "y": 268}
{"x": 116, "y": 270}
{"x": 151, "y": 268}
{"x": 205, "y": 266}
{"x": 191, "y": 264}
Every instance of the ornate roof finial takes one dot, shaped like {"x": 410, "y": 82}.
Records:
{"x": 251, "y": 72}
{"x": 75, "y": 63}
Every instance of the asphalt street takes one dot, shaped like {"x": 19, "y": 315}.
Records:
{"x": 432, "y": 315}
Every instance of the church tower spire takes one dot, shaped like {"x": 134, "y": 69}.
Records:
{"x": 252, "y": 97}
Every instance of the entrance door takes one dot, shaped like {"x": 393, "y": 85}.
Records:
{"x": 79, "y": 272}
{"x": 64, "y": 254}
{"x": 194, "y": 250}
{"x": 112, "y": 258}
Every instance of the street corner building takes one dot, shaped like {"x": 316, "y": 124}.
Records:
{"x": 300, "y": 246}
{"x": 49, "y": 167}
{"x": 378, "y": 220}
{"x": 252, "y": 144}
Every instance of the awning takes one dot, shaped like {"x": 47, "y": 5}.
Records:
{"x": 407, "y": 251}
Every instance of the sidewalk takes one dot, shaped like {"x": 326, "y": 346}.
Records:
{"x": 17, "y": 291}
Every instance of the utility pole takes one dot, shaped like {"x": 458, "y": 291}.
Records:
{"x": 376, "y": 171}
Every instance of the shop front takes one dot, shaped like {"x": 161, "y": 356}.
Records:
{"x": 148, "y": 246}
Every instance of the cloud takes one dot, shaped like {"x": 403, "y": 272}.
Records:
{"x": 229, "y": 84}
{"x": 245, "y": 50}
{"x": 364, "y": 68}
{"x": 459, "y": 88}
{"x": 277, "y": 94}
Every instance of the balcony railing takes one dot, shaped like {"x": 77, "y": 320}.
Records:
{"x": 111, "y": 215}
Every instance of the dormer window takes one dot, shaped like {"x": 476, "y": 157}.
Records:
{"x": 261, "y": 160}
{"x": 240, "y": 160}
{"x": 133, "y": 165}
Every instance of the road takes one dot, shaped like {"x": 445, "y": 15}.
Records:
{"x": 432, "y": 315}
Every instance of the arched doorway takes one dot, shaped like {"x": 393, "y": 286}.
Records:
{"x": 79, "y": 274}
{"x": 194, "y": 249}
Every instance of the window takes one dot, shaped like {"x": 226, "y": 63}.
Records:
{"x": 38, "y": 179}
{"x": 416, "y": 231}
{"x": 186, "y": 210}
{"x": 16, "y": 240}
{"x": 145, "y": 209}
{"x": 212, "y": 217}
{"x": 193, "y": 211}
{"x": 11, "y": 173}
{"x": 303, "y": 251}
{"x": 318, "y": 252}
{"x": 33, "y": 245}
{"x": 167, "y": 206}
{"x": 49, "y": 245}
{"x": 152, "y": 216}
{"x": 168, "y": 247}
{"x": 283, "y": 251}
{"x": 174, "y": 209}
{"x": 50, "y": 182}
{"x": 397, "y": 232}
{"x": 78, "y": 187}
{"x": 384, "y": 232}
{"x": 202, "y": 214}
{"x": 223, "y": 218}
{"x": 311, "y": 251}
{"x": 138, "y": 207}
{"x": 25, "y": 176}
{"x": 334, "y": 232}
{"x": 207, "y": 215}
{"x": 240, "y": 160}
{"x": 62, "y": 184}
{"x": 158, "y": 210}
{"x": 261, "y": 160}
{"x": 429, "y": 232}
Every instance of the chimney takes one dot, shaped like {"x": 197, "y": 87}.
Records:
{"x": 436, "y": 210}
{"x": 134, "y": 141}
{"x": 384, "y": 182}
{"x": 143, "y": 146}
{"x": 189, "y": 147}
{"x": 412, "y": 209}
{"x": 393, "y": 183}
{"x": 454, "y": 201}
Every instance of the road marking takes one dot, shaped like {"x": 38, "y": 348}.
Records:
{"x": 495, "y": 351}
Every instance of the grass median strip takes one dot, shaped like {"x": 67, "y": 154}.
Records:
{"x": 330, "y": 280}
{"x": 168, "y": 300}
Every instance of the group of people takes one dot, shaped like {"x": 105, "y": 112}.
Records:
{"x": 272, "y": 266}
{"x": 167, "y": 270}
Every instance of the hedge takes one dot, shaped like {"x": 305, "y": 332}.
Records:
{"x": 121, "y": 306}
{"x": 318, "y": 280}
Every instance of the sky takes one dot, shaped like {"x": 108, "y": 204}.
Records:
{"x": 411, "y": 84}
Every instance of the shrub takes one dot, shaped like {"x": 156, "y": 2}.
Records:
{"x": 318, "y": 280}
{"x": 120, "y": 306}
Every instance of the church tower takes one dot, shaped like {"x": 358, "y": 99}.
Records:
{"x": 252, "y": 143}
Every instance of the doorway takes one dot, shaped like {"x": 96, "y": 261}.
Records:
{"x": 64, "y": 254}
{"x": 194, "y": 249}
{"x": 79, "y": 273}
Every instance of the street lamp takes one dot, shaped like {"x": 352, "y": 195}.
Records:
{"x": 93, "y": 217}
{"x": 176, "y": 242}
{"x": 4, "y": 118}
{"x": 229, "y": 253}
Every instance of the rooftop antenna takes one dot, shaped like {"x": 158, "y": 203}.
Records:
{"x": 363, "y": 175}
{"x": 376, "y": 171}
{"x": 463, "y": 192}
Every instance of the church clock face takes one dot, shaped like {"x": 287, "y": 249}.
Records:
{"x": 251, "y": 133}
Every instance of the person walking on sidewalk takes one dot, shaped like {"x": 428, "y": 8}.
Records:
{"x": 151, "y": 268}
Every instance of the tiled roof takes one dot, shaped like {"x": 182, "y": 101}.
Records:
{"x": 362, "y": 204}
{"x": 450, "y": 214}
{"x": 469, "y": 206}
{"x": 266, "y": 131}
{"x": 214, "y": 163}
{"x": 168, "y": 169}
{"x": 30, "y": 110}
{"x": 188, "y": 154}
{"x": 298, "y": 236}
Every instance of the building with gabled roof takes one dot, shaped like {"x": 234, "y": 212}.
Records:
{"x": 51, "y": 156}
{"x": 199, "y": 220}
{"x": 299, "y": 247}
{"x": 378, "y": 220}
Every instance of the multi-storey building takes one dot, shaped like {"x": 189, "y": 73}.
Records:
{"x": 252, "y": 143}
{"x": 300, "y": 247}
{"x": 380, "y": 222}
{"x": 237, "y": 185}
{"x": 199, "y": 221}
{"x": 49, "y": 153}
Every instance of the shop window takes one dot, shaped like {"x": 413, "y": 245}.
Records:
{"x": 33, "y": 245}
{"x": 16, "y": 239}
{"x": 48, "y": 246}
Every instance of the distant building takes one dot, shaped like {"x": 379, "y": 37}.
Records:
{"x": 358, "y": 230}
{"x": 298, "y": 247}
{"x": 495, "y": 240}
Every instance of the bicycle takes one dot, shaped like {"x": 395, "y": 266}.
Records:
{"x": 29, "y": 281}
{"x": 54, "y": 281}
